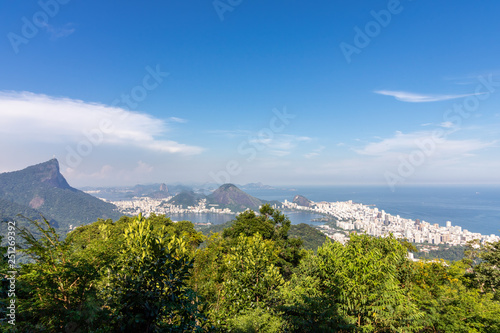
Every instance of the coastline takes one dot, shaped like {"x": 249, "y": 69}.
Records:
{"x": 460, "y": 204}
{"x": 418, "y": 213}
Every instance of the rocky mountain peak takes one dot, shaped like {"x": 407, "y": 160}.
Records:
{"x": 302, "y": 201}
{"x": 48, "y": 173}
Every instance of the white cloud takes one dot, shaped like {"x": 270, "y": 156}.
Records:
{"x": 311, "y": 155}
{"x": 447, "y": 160}
{"x": 230, "y": 134}
{"x": 419, "y": 98}
{"x": 439, "y": 146}
{"x": 447, "y": 124}
{"x": 177, "y": 120}
{"x": 444, "y": 124}
{"x": 315, "y": 152}
{"x": 140, "y": 172}
{"x": 34, "y": 117}
{"x": 279, "y": 153}
{"x": 59, "y": 32}
{"x": 105, "y": 172}
{"x": 143, "y": 168}
{"x": 279, "y": 144}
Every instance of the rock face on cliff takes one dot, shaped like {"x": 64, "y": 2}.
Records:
{"x": 42, "y": 189}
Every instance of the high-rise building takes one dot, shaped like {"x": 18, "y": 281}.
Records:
{"x": 445, "y": 238}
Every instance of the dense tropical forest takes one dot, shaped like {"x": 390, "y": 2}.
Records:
{"x": 151, "y": 275}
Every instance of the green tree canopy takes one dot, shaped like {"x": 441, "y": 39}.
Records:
{"x": 356, "y": 286}
{"x": 273, "y": 225}
{"x": 148, "y": 289}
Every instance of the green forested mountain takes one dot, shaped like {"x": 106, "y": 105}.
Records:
{"x": 185, "y": 199}
{"x": 301, "y": 201}
{"x": 444, "y": 251}
{"x": 9, "y": 210}
{"x": 312, "y": 237}
{"x": 230, "y": 196}
{"x": 42, "y": 189}
{"x": 208, "y": 230}
{"x": 226, "y": 196}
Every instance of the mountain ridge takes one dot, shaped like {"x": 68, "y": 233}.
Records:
{"x": 41, "y": 189}
{"x": 226, "y": 196}
{"x": 302, "y": 201}
{"x": 230, "y": 196}
{"x": 186, "y": 199}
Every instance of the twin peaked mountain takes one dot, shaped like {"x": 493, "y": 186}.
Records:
{"x": 226, "y": 196}
{"x": 42, "y": 190}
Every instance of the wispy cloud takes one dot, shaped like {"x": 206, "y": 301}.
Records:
{"x": 230, "y": 134}
{"x": 471, "y": 78}
{"x": 311, "y": 155}
{"x": 275, "y": 144}
{"x": 279, "y": 153}
{"x": 59, "y": 32}
{"x": 177, "y": 120}
{"x": 315, "y": 152}
{"x": 444, "y": 124}
{"x": 447, "y": 124}
{"x": 279, "y": 144}
{"x": 28, "y": 116}
{"x": 140, "y": 170}
{"x": 409, "y": 97}
{"x": 402, "y": 143}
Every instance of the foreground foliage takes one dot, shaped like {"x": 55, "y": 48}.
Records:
{"x": 151, "y": 275}
{"x": 124, "y": 276}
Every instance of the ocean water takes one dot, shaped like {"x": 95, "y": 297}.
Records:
{"x": 475, "y": 208}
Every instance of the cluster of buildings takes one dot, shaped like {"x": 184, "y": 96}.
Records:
{"x": 146, "y": 206}
{"x": 349, "y": 216}
{"x": 355, "y": 216}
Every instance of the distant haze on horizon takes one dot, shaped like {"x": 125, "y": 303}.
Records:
{"x": 365, "y": 93}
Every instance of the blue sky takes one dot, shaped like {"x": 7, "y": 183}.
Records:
{"x": 288, "y": 92}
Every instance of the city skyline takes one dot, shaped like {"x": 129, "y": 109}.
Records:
{"x": 349, "y": 216}
{"x": 381, "y": 92}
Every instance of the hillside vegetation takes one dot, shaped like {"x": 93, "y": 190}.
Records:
{"x": 311, "y": 237}
{"x": 150, "y": 275}
{"x": 42, "y": 190}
